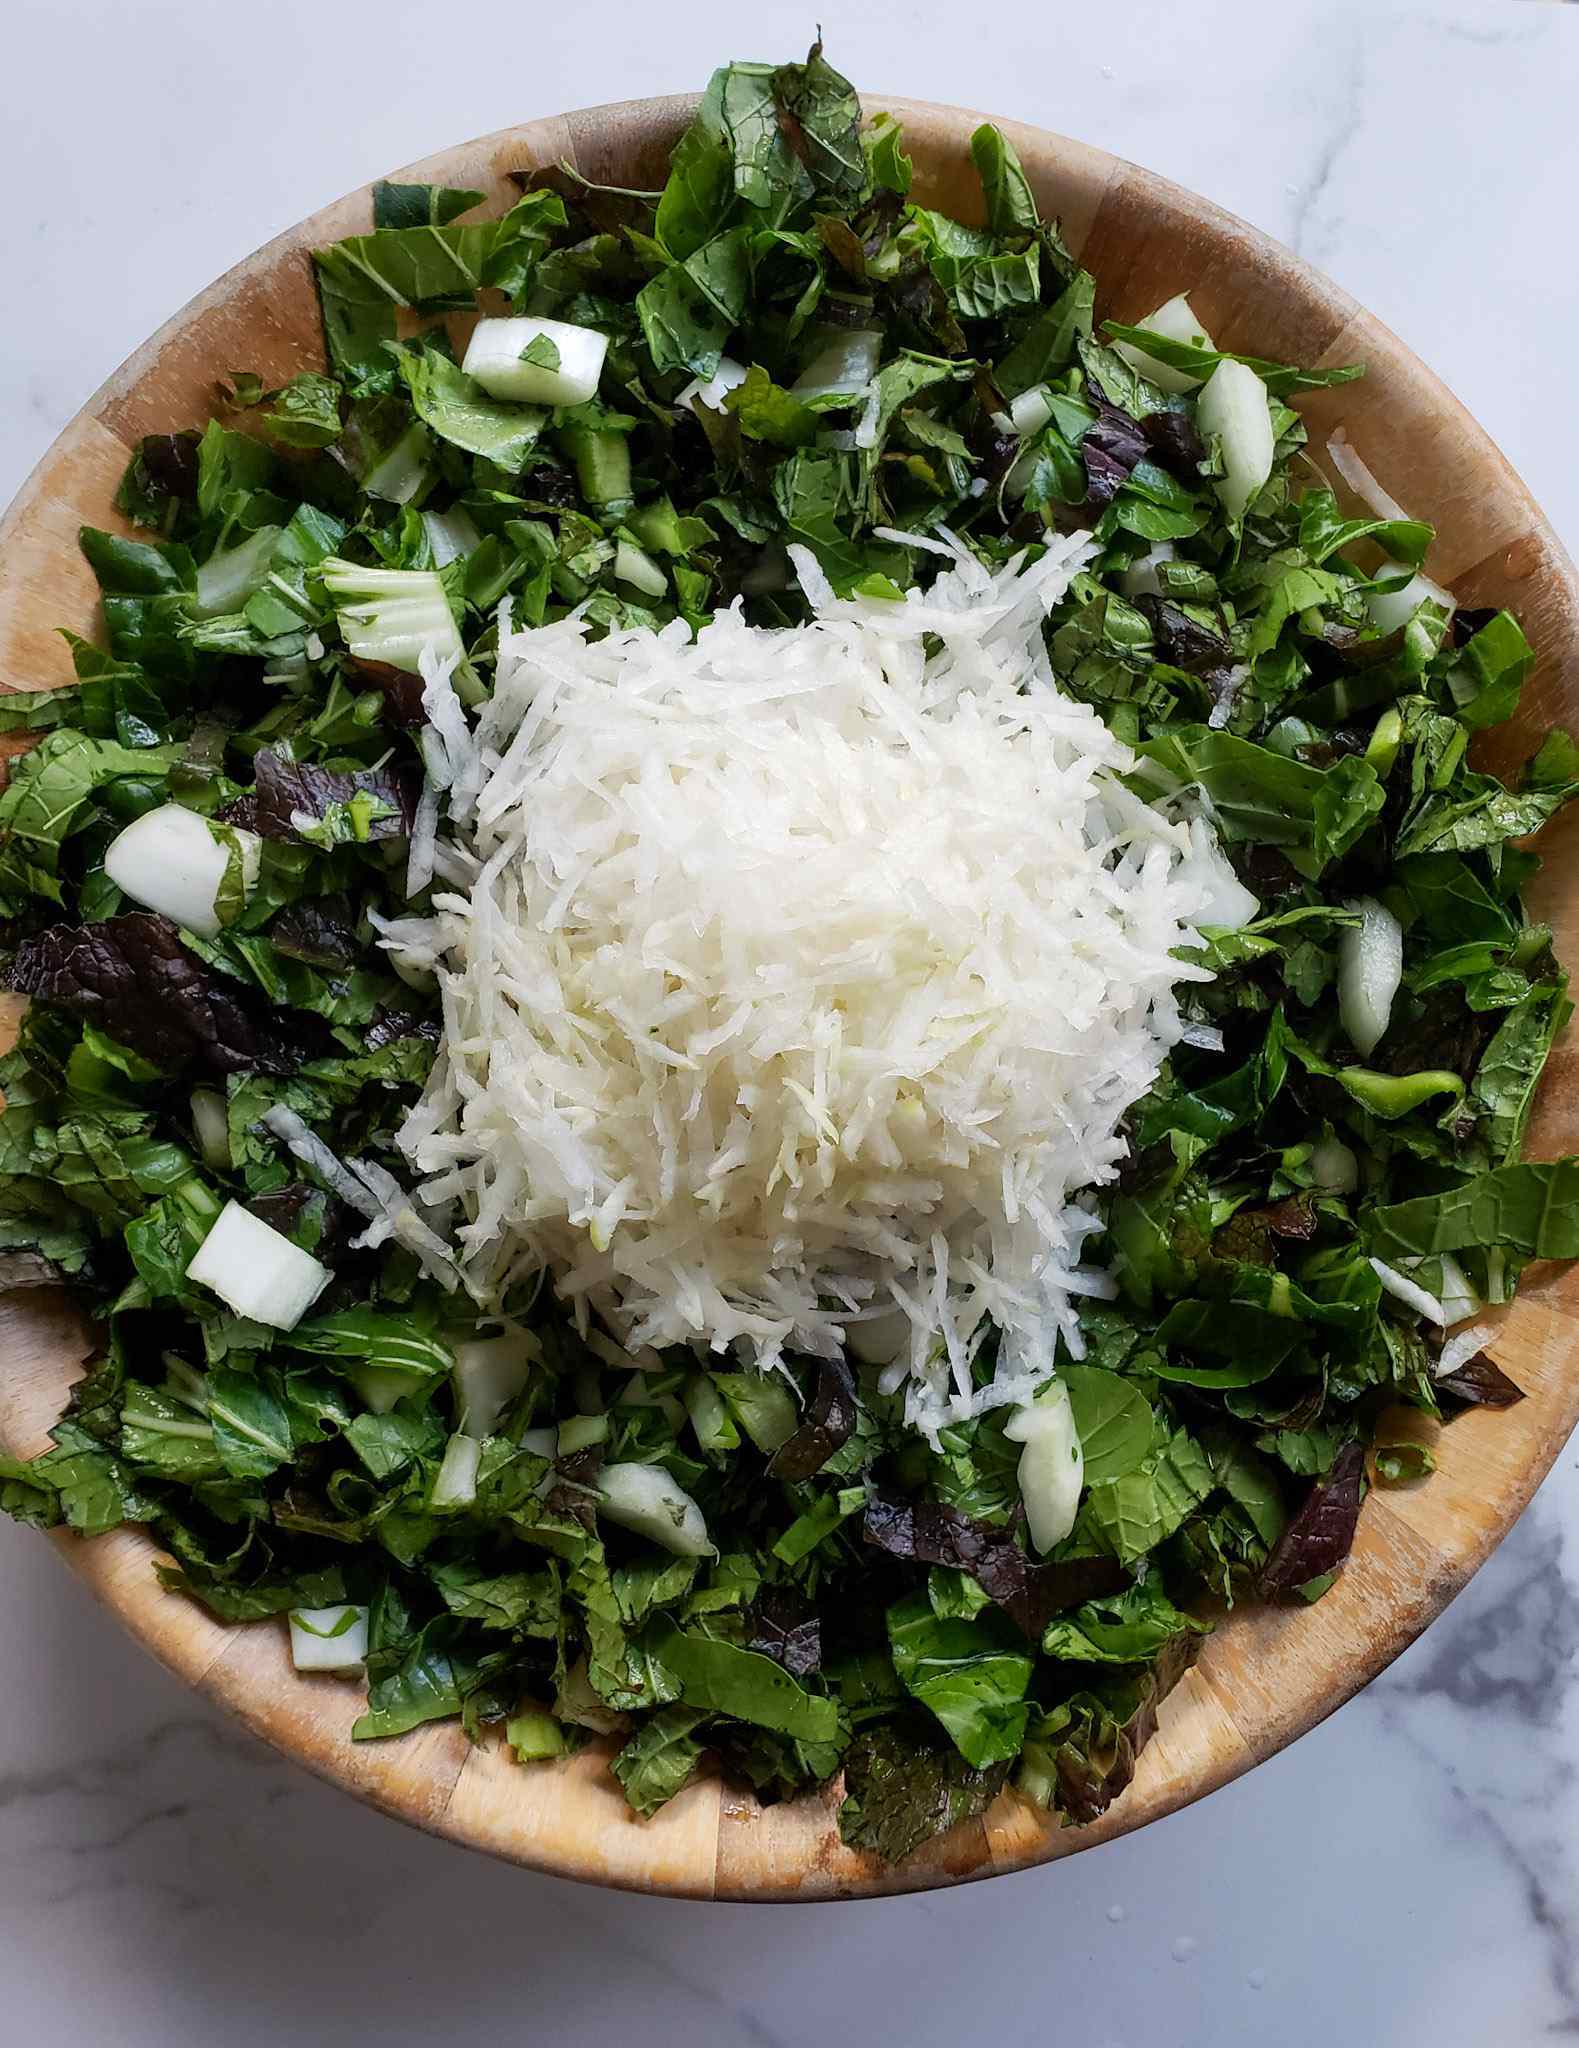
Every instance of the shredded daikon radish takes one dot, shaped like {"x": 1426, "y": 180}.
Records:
{"x": 1361, "y": 479}
{"x": 806, "y": 977}
{"x": 371, "y": 1190}
{"x": 1409, "y": 1293}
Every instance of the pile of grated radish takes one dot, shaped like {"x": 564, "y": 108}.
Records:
{"x": 795, "y": 981}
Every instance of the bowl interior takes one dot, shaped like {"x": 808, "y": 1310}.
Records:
{"x": 1265, "y": 1676}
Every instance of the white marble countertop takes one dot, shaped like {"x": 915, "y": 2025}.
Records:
{"x": 1407, "y": 1873}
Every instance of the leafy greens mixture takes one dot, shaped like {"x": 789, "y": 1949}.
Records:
{"x": 504, "y": 1521}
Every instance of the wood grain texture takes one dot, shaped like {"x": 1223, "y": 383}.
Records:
{"x": 1265, "y": 1677}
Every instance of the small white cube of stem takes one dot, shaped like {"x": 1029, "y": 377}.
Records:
{"x": 329, "y": 1638}
{"x": 499, "y": 355}
{"x": 256, "y": 1271}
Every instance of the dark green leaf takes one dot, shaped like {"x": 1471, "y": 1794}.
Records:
{"x": 902, "y": 1788}
{"x": 458, "y": 410}
{"x": 743, "y": 1684}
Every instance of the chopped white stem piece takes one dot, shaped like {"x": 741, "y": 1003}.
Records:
{"x": 636, "y": 567}
{"x": 1461, "y": 1347}
{"x": 404, "y": 469}
{"x": 211, "y": 1122}
{"x": 847, "y": 361}
{"x": 644, "y": 1499}
{"x": 489, "y": 1373}
{"x": 1052, "y": 1465}
{"x": 226, "y": 580}
{"x": 168, "y": 860}
{"x": 1233, "y": 406}
{"x": 329, "y": 1638}
{"x": 256, "y": 1271}
{"x": 455, "y": 1484}
{"x": 1459, "y": 1299}
{"x": 1390, "y": 609}
{"x": 1370, "y": 970}
{"x": 381, "y": 1386}
{"x": 1031, "y": 411}
{"x": 1174, "y": 322}
{"x": 450, "y": 535}
{"x": 1334, "y": 1167}
{"x": 1140, "y": 579}
{"x": 494, "y": 356}
{"x": 392, "y": 615}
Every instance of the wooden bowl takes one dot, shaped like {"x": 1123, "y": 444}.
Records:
{"x": 1266, "y": 1676}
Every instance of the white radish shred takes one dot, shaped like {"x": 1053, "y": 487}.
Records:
{"x": 644, "y": 1499}
{"x": 1052, "y": 1465}
{"x": 447, "y": 750}
{"x": 1461, "y": 1347}
{"x": 1406, "y": 1291}
{"x": 806, "y": 976}
{"x": 712, "y": 391}
{"x": 1233, "y": 406}
{"x": 311, "y": 1150}
{"x": 168, "y": 860}
{"x": 256, "y": 1271}
{"x": 1174, "y": 322}
{"x": 568, "y": 374}
{"x": 1362, "y": 480}
{"x": 1370, "y": 972}
{"x": 422, "y": 848}
{"x": 371, "y": 1190}
{"x": 1227, "y": 901}
{"x": 329, "y": 1638}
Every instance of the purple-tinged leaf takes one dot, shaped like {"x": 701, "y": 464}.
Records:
{"x": 829, "y": 1421}
{"x": 1320, "y": 1534}
{"x": 132, "y": 978}
{"x": 1029, "y": 1593}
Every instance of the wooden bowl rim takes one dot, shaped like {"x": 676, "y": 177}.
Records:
{"x": 566, "y": 1825}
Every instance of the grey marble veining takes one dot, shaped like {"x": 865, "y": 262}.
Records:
{"x": 1407, "y": 1873}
